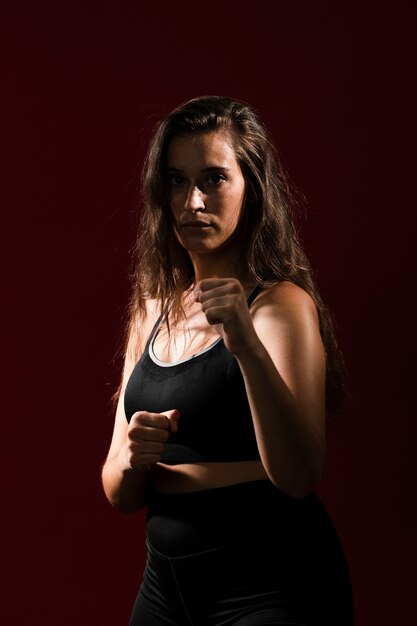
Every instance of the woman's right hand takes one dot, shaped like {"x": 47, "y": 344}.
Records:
{"x": 146, "y": 436}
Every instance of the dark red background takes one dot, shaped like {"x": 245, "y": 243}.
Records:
{"x": 82, "y": 85}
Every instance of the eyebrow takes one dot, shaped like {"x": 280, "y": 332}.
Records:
{"x": 212, "y": 168}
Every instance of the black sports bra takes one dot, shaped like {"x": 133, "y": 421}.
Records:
{"x": 208, "y": 390}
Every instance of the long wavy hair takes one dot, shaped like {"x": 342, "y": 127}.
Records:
{"x": 271, "y": 248}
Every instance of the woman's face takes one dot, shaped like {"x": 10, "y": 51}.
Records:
{"x": 207, "y": 190}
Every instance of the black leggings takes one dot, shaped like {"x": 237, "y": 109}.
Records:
{"x": 244, "y": 555}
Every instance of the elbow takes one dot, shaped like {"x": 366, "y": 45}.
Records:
{"x": 126, "y": 491}
{"x": 125, "y": 505}
{"x": 301, "y": 491}
{"x": 298, "y": 489}
{"x": 309, "y": 483}
{"x": 301, "y": 482}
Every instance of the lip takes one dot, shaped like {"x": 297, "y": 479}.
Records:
{"x": 195, "y": 224}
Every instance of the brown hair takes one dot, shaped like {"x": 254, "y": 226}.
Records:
{"x": 271, "y": 248}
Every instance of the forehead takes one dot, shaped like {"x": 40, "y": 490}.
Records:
{"x": 207, "y": 149}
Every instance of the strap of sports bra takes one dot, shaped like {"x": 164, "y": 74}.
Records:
{"x": 154, "y": 329}
{"x": 253, "y": 294}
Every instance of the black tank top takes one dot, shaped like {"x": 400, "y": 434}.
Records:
{"x": 208, "y": 390}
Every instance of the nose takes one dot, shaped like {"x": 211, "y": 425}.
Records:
{"x": 195, "y": 200}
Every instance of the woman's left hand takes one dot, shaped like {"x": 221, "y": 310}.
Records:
{"x": 224, "y": 303}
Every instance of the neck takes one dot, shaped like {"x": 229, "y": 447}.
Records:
{"x": 228, "y": 266}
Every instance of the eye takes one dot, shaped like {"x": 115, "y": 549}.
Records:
{"x": 216, "y": 179}
{"x": 175, "y": 180}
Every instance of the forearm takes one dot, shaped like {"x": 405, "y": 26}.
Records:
{"x": 291, "y": 448}
{"x": 125, "y": 488}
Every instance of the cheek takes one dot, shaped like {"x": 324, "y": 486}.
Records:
{"x": 174, "y": 206}
{"x": 235, "y": 203}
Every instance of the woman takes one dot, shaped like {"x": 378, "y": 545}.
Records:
{"x": 231, "y": 369}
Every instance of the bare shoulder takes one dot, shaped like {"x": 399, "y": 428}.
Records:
{"x": 140, "y": 330}
{"x": 287, "y": 323}
{"x": 283, "y": 301}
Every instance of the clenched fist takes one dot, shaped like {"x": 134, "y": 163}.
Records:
{"x": 146, "y": 436}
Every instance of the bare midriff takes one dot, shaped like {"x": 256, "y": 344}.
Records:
{"x": 188, "y": 477}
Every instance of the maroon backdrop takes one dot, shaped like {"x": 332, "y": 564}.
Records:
{"x": 82, "y": 85}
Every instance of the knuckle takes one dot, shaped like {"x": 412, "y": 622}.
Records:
{"x": 133, "y": 433}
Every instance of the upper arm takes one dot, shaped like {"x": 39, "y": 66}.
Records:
{"x": 120, "y": 422}
{"x": 286, "y": 321}
{"x": 135, "y": 346}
